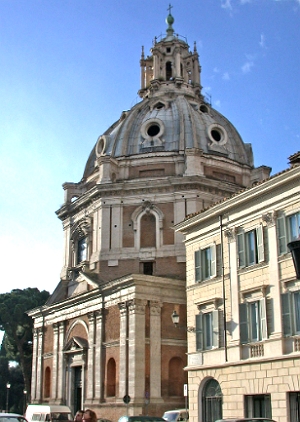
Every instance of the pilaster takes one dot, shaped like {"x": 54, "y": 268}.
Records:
{"x": 55, "y": 362}
{"x": 99, "y": 373}
{"x": 61, "y": 363}
{"x": 39, "y": 372}
{"x": 155, "y": 349}
{"x": 34, "y": 365}
{"x": 136, "y": 353}
{"x": 123, "y": 364}
{"x": 270, "y": 220}
{"x": 91, "y": 358}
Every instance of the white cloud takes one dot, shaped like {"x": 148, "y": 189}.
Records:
{"x": 262, "y": 41}
{"x": 226, "y": 76}
{"x": 226, "y": 4}
{"x": 218, "y": 103}
{"x": 246, "y": 68}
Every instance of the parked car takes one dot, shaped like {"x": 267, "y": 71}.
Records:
{"x": 141, "y": 419}
{"x": 48, "y": 413}
{"x": 12, "y": 417}
{"x": 176, "y": 415}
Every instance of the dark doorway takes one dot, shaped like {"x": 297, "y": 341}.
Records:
{"x": 77, "y": 388}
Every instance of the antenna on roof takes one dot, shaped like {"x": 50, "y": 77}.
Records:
{"x": 207, "y": 98}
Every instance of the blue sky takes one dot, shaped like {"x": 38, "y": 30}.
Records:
{"x": 68, "y": 68}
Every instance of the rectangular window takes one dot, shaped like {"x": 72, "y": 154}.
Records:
{"x": 205, "y": 263}
{"x": 291, "y": 313}
{"x": 148, "y": 268}
{"x": 207, "y": 330}
{"x": 253, "y": 321}
{"x": 288, "y": 229}
{"x": 258, "y": 406}
{"x": 250, "y": 247}
{"x": 81, "y": 250}
{"x": 294, "y": 401}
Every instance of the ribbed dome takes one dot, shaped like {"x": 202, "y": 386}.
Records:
{"x": 172, "y": 118}
{"x": 172, "y": 125}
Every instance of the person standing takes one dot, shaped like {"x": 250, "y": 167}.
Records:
{"x": 89, "y": 416}
{"x": 79, "y": 416}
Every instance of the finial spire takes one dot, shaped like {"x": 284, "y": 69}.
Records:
{"x": 170, "y": 21}
{"x": 169, "y": 8}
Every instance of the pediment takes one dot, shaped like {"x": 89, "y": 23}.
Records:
{"x": 76, "y": 344}
{"x": 81, "y": 283}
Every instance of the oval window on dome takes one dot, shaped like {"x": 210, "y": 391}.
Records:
{"x": 217, "y": 134}
{"x": 100, "y": 146}
{"x": 153, "y": 130}
{"x": 204, "y": 109}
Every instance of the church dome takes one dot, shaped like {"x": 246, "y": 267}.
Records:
{"x": 173, "y": 116}
{"x": 164, "y": 124}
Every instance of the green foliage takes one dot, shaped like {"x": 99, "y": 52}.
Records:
{"x": 18, "y": 327}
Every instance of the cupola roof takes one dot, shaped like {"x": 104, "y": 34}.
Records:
{"x": 173, "y": 116}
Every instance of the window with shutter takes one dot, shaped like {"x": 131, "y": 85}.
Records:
{"x": 250, "y": 247}
{"x": 291, "y": 313}
{"x": 207, "y": 330}
{"x": 205, "y": 263}
{"x": 253, "y": 321}
{"x": 288, "y": 229}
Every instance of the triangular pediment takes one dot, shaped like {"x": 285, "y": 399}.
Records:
{"x": 76, "y": 344}
{"x": 81, "y": 283}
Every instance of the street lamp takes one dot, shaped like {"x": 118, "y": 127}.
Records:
{"x": 294, "y": 248}
{"x": 175, "y": 320}
{"x": 25, "y": 400}
{"x": 7, "y": 395}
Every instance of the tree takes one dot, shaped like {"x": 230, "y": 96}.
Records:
{"x": 4, "y": 376}
{"x": 18, "y": 326}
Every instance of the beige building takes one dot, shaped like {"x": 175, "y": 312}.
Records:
{"x": 243, "y": 299}
{"x": 106, "y": 333}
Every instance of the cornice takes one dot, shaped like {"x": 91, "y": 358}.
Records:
{"x": 139, "y": 188}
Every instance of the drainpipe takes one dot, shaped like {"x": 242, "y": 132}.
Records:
{"x": 223, "y": 288}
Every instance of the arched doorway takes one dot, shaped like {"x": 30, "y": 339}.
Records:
{"x": 211, "y": 401}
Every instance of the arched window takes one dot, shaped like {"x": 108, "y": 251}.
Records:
{"x": 81, "y": 238}
{"x": 47, "y": 385}
{"x": 176, "y": 377}
{"x": 111, "y": 378}
{"x": 211, "y": 401}
{"x": 168, "y": 71}
{"x": 147, "y": 225}
{"x": 148, "y": 231}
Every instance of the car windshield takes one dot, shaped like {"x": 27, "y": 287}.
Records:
{"x": 61, "y": 416}
{"x": 170, "y": 416}
{"x": 7, "y": 418}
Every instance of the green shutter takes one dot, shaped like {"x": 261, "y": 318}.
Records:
{"x": 286, "y": 314}
{"x": 197, "y": 266}
{"x": 199, "y": 332}
{"x": 241, "y": 250}
{"x": 213, "y": 264}
{"x": 281, "y": 235}
{"x": 263, "y": 319}
{"x": 215, "y": 328}
{"x": 260, "y": 243}
{"x": 243, "y": 323}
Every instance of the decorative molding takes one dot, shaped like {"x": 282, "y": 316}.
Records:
{"x": 269, "y": 218}
{"x": 137, "y": 306}
{"x": 230, "y": 233}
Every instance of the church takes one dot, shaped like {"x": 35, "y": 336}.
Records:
{"x": 105, "y": 339}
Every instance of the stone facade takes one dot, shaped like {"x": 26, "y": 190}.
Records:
{"x": 106, "y": 332}
{"x": 243, "y": 300}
